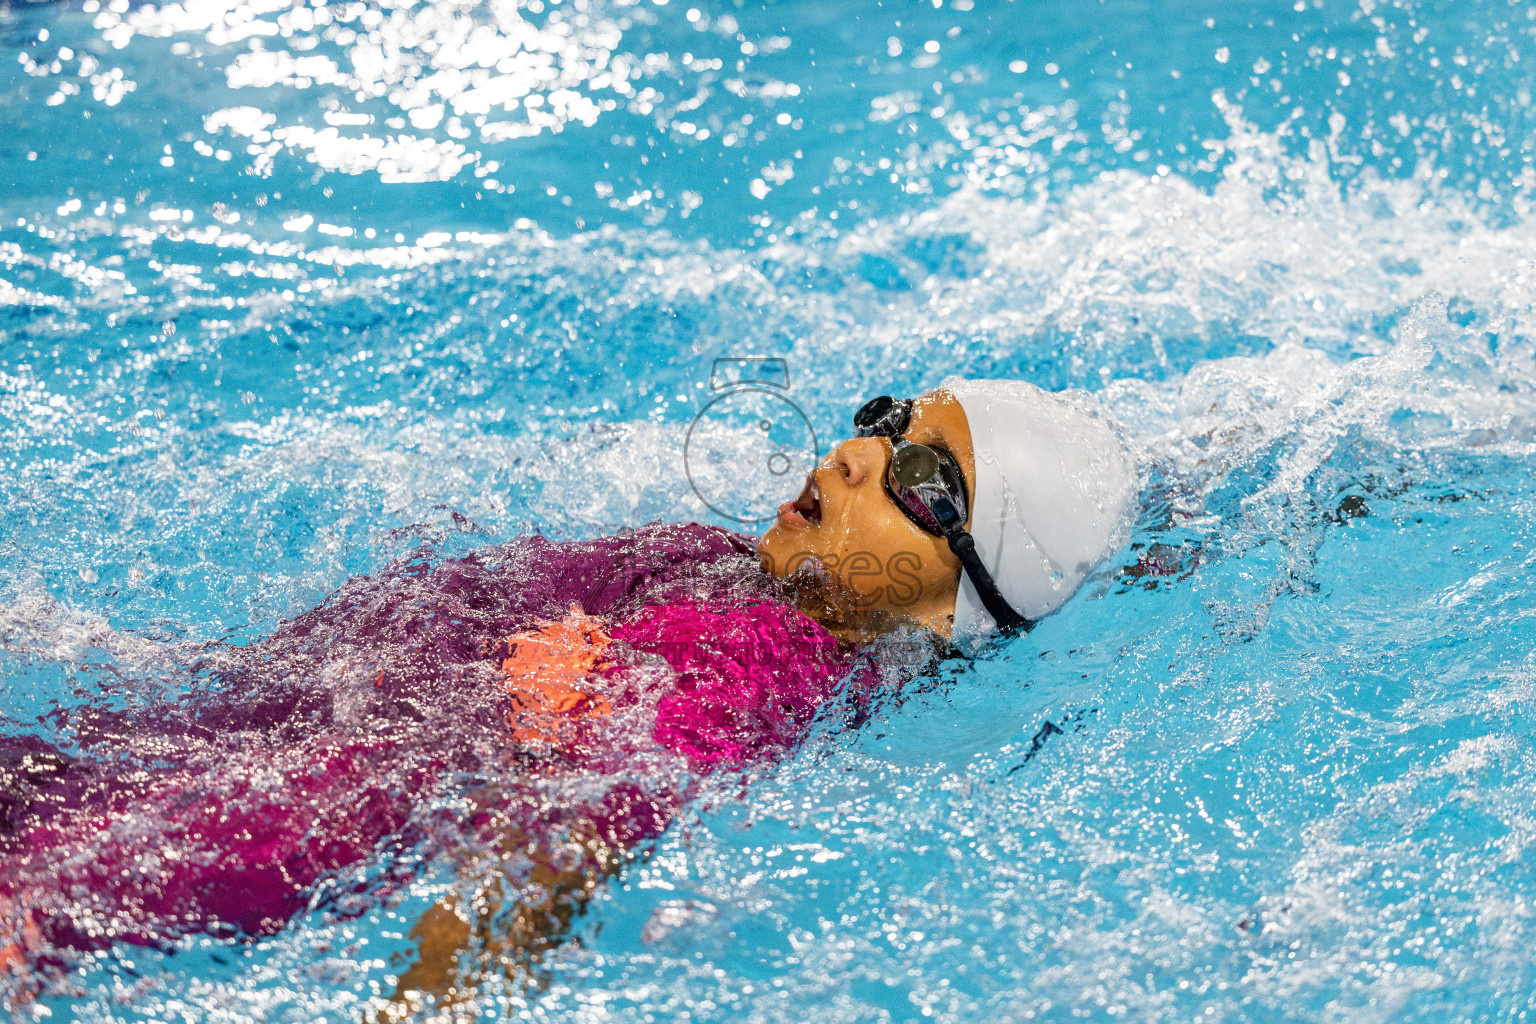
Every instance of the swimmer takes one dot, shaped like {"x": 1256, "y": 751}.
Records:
{"x": 531, "y": 714}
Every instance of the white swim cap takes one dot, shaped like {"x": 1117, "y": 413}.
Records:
{"x": 1055, "y": 494}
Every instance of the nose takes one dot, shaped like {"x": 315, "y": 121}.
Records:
{"x": 859, "y": 459}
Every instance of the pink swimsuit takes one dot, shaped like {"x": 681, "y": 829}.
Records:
{"x": 255, "y": 790}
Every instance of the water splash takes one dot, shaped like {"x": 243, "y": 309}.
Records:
{"x": 1267, "y": 764}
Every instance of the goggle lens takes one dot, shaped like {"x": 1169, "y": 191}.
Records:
{"x": 914, "y": 468}
{"x": 914, "y": 464}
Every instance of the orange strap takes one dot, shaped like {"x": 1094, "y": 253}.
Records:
{"x": 548, "y": 671}
{"x": 13, "y": 946}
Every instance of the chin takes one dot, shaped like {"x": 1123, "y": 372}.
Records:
{"x": 778, "y": 546}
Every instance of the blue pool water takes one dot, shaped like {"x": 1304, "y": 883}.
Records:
{"x": 288, "y": 288}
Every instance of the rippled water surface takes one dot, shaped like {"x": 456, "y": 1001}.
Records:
{"x": 289, "y": 288}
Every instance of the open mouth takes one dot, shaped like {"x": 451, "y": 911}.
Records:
{"x": 806, "y": 509}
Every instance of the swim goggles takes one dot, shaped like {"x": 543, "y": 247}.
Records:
{"x": 927, "y": 484}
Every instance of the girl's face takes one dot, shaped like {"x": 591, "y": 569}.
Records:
{"x": 878, "y": 561}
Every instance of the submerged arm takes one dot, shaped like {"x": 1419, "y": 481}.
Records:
{"x": 530, "y": 892}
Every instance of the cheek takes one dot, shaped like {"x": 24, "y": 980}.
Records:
{"x": 866, "y": 521}
{"x": 875, "y": 551}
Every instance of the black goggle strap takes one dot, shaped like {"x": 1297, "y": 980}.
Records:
{"x": 1009, "y": 621}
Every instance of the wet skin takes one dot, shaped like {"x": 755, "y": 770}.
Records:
{"x": 885, "y": 568}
